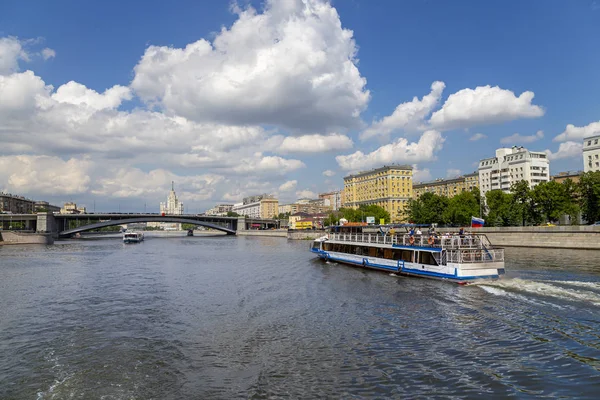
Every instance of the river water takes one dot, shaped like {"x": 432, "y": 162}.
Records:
{"x": 254, "y": 317}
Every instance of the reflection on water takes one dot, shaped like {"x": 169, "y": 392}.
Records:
{"x": 226, "y": 317}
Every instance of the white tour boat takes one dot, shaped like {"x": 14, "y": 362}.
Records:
{"x": 133, "y": 237}
{"x": 459, "y": 258}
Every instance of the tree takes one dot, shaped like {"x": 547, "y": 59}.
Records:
{"x": 427, "y": 209}
{"x": 461, "y": 208}
{"x": 187, "y": 227}
{"x": 332, "y": 219}
{"x": 523, "y": 203}
{"x": 364, "y": 211}
{"x": 553, "y": 200}
{"x": 589, "y": 189}
{"x": 233, "y": 214}
{"x": 500, "y": 209}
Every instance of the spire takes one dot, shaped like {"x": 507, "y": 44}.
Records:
{"x": 173, "y": 185}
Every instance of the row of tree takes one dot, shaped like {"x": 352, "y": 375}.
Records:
{"x": 358, "y": 215}
{"x": 546, "y": 202}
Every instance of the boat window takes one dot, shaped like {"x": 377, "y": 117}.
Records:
{"x": 372, "y": 252}
{"x": 327, "y": 246}
{"x": 316, "y": 245}
{"x": 388, "y": 254}
{"x": 426, "y": 257}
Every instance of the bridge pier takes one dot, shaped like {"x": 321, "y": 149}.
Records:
{"x": 241, "y": 224}
{"x": 46, "y": 223}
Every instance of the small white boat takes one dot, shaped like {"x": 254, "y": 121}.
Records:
{"x": 133, "y": 237}
{"x": 462, "y": 259}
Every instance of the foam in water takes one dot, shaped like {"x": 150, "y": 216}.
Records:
{"x": 544, "y": 288}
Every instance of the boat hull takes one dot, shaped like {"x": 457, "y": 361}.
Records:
{"x": 459, "y": 273}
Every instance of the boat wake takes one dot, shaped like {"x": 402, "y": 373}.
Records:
{"x": 588, "y": 292}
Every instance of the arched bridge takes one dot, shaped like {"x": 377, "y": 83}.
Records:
{"x": 69, "y": 224}
{"x": 172, "y": 219}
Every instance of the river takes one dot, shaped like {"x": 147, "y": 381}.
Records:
{"x": 249, "y": 317}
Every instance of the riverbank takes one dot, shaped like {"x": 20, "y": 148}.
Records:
{"x": 556, "y": 237}
{"x": 11, "y": 237}
{"x": 270, "y": 233}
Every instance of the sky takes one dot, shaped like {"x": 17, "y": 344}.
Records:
{"x": 106, "y": 103}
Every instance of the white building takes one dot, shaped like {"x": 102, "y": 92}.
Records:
{"x": 261, "y": 206}
{"x": 512, "y": 165}
{"x": 173, "y": 206}
{"x": 591, "y": 154}
{"x": 220, "y": 210}
{"x": 332, "y": 199}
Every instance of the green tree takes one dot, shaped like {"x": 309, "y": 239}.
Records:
{"x": 233, "y": 214}
{"x": 589, "y": 190}
{"x": 524, "y": 204}
{"x": 364, "y": 211}
{"x": 553, "y": 200}
{"x": 427, "y": 209}
{"x": 572, "y": 209}
{"x": 332, "y": 219}
{"x": 500, "y": 209}
{"x": 187, "y": 227}
{"x": 461, "y": 208}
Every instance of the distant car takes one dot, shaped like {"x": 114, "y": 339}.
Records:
{"x": 597, "y": 223}
{"x": 548, "y": 224}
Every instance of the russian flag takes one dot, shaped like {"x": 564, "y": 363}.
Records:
{"x": 477, "y": 222}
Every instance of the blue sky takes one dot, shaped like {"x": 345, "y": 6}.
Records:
{"x": 275, "y": 97}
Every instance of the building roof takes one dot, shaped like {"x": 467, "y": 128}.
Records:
{"x": 300, "y": 214}
{"x": 381, "y": 169}
{"x": 567, "y": 174}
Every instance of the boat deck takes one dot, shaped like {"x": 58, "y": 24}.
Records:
{"x": 473, "y": 248}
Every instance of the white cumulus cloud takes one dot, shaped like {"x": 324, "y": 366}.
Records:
{"x": 421, "y": 175}
{"x": 289, "y": 185}
{"x": 452, "y": 173}
{"x": 25, "y": 174}
{"x": 268, "y": 165}
{"x": 11, "y": 52}
{"x": 77, "y": 94}
{"x": 517, "y": 139}
{"x": 400, "y": 151}
{"x": 328, "y": 173}
{"x": 291, "y": 65}
{"x": 48, "y": 53}
{"x": 566, "y": 150}
{"x": 315, "y": 143}
{"x": 573, "y": 132}
{"x": 484, "y": 105}
{"x": 477, "y": 136}
{"x": 407, "y": 116}
{"x": 306, "y": 194}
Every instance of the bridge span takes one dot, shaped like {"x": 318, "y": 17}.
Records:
{"x": 66, "y": 225}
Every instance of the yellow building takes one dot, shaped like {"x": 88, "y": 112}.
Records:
{"x": 304, "y": 224}
{"x": 447, "y": 187}
{"x": 563, "y": 176}
{"x": 389, "y": 187}
{"x": 269, "y": 208}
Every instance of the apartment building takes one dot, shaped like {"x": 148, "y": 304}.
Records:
{"x": 220, "y": 210}
{"x": 591, "y": 154}
{"x": 447, "y": 187}
{"x": 332, "y": 199}
{"x": 512, "y": 165}
{"x": 389, "y": 187}
{"x": 259, "y": 206}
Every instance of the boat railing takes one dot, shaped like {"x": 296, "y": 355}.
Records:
{"x": 484, "y": 255}
{"x": 444, "y": 242}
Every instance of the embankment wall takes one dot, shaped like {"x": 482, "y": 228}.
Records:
{"x": 7, "y": 237}
{"x": 272, "y": 233}
{"x": 562, "y": 237}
